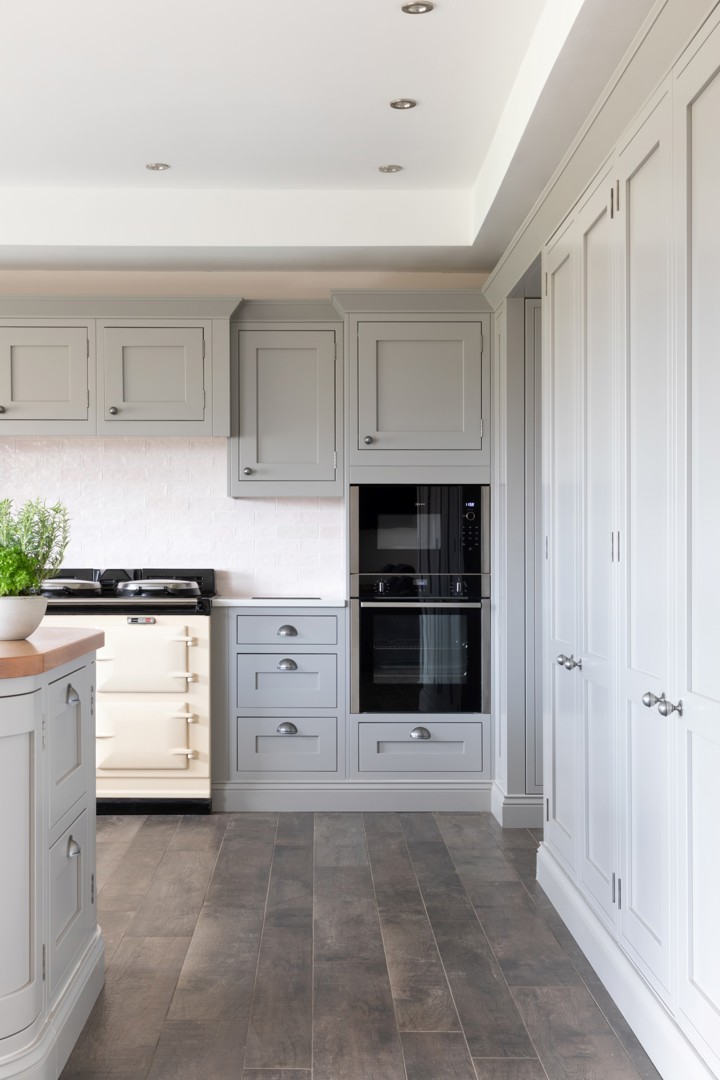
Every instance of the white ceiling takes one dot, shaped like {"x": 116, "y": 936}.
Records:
{"x": 274, "y": 115}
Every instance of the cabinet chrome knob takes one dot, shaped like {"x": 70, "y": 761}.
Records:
{"x": 649, "y": 699}
{"x": 571, "y": 662}
{"x": 73, "y": 848}
{"x": 420, "y": 733}
{"x": 72, "y": 697}
{"x": 287, "y": 665}
{"x": 368, "y": 440}
{"x": 113, "y": 410}
{"x": 561, "y": 660}
{"x": 2, "y": 409}
{"x": 287, "y": 631}
{"x": 286, "y": 728}
{"x": 247, "y": 472}
{"x": 665, "y": 707}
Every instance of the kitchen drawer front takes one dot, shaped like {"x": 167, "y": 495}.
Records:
{"x": 452, "y": 747}
{"x": 270, "y": 744}
{"x": 70, "y": 909}
{"x": 68, "y": 717}
{"x": 296, "y": 630}
{"x": 309, "y": 681}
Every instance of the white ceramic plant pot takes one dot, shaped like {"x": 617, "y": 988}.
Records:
{"x": 20, "y": 616}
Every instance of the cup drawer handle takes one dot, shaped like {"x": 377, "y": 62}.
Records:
{"x": 420, "y": 733}
{"x": 287, "y": 665}
{"x": 287, "y": 631}
{"x": 286, "y": 728}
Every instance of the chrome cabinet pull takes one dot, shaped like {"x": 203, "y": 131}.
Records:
{"x": 73, "y": 848}
{"x": 571, "y": 662}
{"x": 190, "y": 754}
{"x": 287, "y": 631}
{"x": 247, "y": 471}
{"x": 287, "y": 665}
{"x": 2, "y": 409}
{"x": 649, "y": 699}
{"x": 420, "y": 733}
{"x": 368, "y": 440}
{"x": 286, "y": 728}
{"x": 113, "y": 410}
{"x": 666, "y": 708}
{"x": 72, "y": 697}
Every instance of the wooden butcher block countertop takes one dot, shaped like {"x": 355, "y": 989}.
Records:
{"x": 46, "y": 649}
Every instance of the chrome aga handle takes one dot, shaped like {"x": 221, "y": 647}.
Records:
{"x": 420, "y": 733}
{"x": 568, "y": 662}
{"x": 72, "y": 697}
{"x": 664, "y": 706}
{"x": 287, "y": 665}
{"x": 191, "y": 755}
{"x": 287, "y": 631}
{"x": 287, "y": 728}
{"x": 561, "y": 660}
{"x": 113, "y": 410}
{"x": 73, "y": 849}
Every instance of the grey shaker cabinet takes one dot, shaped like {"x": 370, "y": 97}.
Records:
{"x": 45, "y": 376}
{"x": 287, "y": 402}
{"x": 103, "y": 365}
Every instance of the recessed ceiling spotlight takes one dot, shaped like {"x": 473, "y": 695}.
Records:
{"x": 403, "y": 103}
{"x": 157, "y": 166}
{"x": 417, "y": 9}
{"x": 390, "y": 168}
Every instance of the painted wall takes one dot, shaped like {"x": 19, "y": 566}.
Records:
{"x": 163, "y": 502}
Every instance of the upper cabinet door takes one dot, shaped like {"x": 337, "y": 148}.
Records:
{"x": 286, "y": 388}
{"x": 419, "y": 386}
{"x": 44, "y": 373}
{"x": 151, "y": 373}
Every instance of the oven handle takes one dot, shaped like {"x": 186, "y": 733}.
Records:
{"x": 414, "y": 604}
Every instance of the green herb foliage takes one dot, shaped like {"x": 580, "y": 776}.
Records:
{"x": 33, "y": 540}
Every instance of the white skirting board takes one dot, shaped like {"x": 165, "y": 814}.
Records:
{"x": 232, "y": 798}
{"x": 517, "y": 811}
{"x": 664, "y": 1042}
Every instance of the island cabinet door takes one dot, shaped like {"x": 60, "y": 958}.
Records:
{"x": 69, "y": 716}
{"x": 21, "y": 990}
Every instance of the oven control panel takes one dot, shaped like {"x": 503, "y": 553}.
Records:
{"x": 420, "y": 586}
{"x": 471, "y": 532}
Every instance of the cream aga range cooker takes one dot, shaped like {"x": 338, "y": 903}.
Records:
{"x": 153, "y": 682}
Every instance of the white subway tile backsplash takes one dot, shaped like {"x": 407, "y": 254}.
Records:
{"x": 136, "y": 502}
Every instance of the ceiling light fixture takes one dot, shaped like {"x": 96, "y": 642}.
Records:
{"x": 417, "y": 9}
{"x": 390, "y": 168}
{"x": 157, "y": 166}
{"x": 403, "y": 103}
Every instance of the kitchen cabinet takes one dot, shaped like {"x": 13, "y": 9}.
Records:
{"x": 287, "y": 382}
{"x": 104, "y": 365}
{"x": 52, "y": 949}
{"x": 418, "y": 385}
{"x": 632, "y": 698}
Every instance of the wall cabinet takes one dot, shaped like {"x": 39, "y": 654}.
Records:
{"x": 134, "y": 367}
{"x": 287, "y": 410}
{"x": 632, "y": 699}
{"x": 52, "y": 953}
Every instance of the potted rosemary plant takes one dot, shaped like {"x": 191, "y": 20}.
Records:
{"x": 33, "y": 540}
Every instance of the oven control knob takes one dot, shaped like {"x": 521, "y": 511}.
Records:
{"x": 459, "y": 587}
{"x": 470, "y": 516}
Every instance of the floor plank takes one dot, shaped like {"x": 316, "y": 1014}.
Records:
{"x": 191, "y": 1051}
{"x": 509, "y": 1069}
{"x": 437, "y": 1055}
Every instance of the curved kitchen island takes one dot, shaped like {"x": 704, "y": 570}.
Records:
{"x": 51, "y": 949}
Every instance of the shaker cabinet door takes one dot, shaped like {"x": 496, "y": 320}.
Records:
{"x": 151, "y": 373}
{"x": 419, "y": 386}
{"x": 286, "y": 408}
{"x": 44, "y": 373}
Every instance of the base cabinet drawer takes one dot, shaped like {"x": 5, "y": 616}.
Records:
{"x": 422, "y": 747}
{"x": 295, "y": 630}
{"x": 269, "y": 744}
{"x": 69, "y": 886}
{"x": 286, "y": 681}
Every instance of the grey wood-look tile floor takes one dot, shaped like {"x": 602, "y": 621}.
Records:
{"x": 339, "y": 947}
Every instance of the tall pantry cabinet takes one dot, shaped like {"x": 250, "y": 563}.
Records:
{"x": 631, "y": 485}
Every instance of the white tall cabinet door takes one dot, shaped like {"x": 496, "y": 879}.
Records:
{"x": 560, "y": 484}
{"x": 642, "y": 548}
{"x": 597, "y": 240}
{"x": 697, "y": 121}
{"x": 21, "y": 987}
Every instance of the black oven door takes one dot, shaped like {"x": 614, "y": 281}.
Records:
{"x": 420, "y": 657}
{"x": 425, "y": 529}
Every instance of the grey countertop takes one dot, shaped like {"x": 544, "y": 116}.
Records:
{"x": 279, "y": 601}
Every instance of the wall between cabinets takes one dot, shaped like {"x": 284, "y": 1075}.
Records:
{"x": 163, "y": 502}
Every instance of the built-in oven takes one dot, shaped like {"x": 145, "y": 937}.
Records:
{"x": 420, "y": 599}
